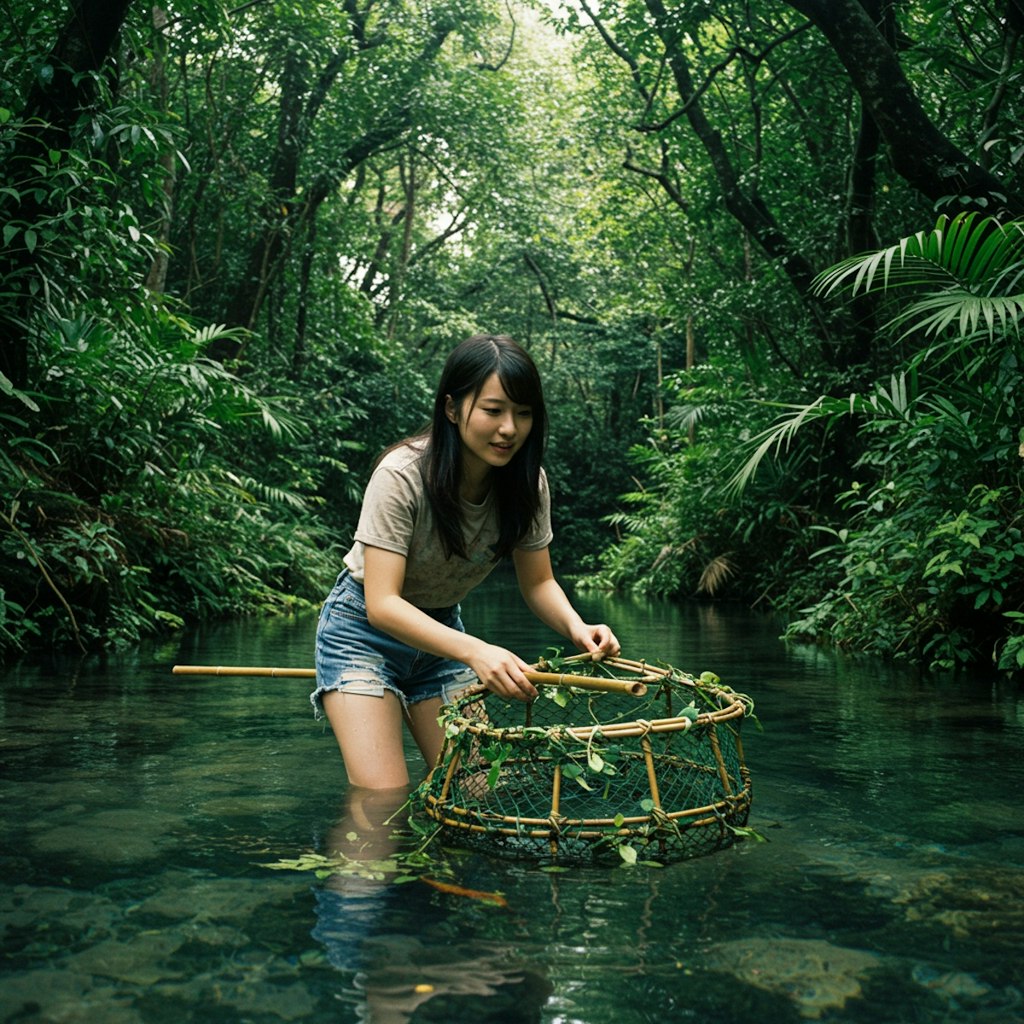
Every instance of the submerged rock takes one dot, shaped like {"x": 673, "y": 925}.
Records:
{"x": 816, "y": 975}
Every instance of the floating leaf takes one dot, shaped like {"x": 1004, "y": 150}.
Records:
{"x": 746, "y": 832}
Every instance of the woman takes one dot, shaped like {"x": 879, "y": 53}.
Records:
{"x": 439, "y": 512}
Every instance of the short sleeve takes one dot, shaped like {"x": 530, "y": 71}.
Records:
{"x": 389, "y": 511}
{"x": 540, "y": 535}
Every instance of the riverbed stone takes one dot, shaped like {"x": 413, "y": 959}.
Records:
{"x": 816, "y": 975}
{"x": 56, "y": 996}
{"x": 139, "y": 961}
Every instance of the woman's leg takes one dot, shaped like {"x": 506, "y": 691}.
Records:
{"x": 422, "y": 717}
{"x": 369, "y": 732}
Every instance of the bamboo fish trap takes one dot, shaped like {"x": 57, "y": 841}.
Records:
{"x": 618, "y": 758}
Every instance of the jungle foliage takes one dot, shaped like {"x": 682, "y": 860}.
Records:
{"x": 768, "y": 258}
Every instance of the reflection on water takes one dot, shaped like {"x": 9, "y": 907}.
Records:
{"x": 141, "y": 812}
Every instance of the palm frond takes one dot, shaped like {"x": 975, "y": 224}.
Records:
{"x": 714, "y": 574}
{"x": 972, "y": 268}
{"x": 969, "y": 313}
{"x": 683, "y": 417}
{"x": 780, "y": 434}
{"x": 893, "y": 403}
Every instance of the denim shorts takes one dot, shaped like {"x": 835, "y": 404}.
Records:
{"x": 353, "y": 656}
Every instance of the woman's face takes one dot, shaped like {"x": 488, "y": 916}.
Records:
{"x": 492, "y": 428}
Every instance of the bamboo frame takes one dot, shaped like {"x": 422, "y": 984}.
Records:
{"x": 670, "y": 829}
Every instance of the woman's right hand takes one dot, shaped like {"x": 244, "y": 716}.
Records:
{"x": 502, "y": 672}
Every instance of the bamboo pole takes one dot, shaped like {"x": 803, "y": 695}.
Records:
{"x": 632, "y": 687}
{"x": 243, "y": 670}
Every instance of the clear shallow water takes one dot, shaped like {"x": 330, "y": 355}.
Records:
{"x": 141, "y": 809}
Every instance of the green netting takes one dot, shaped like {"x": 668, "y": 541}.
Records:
{"x": 579, "y": 773}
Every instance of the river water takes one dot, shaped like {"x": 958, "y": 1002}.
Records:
{"x": 146, "y": 818}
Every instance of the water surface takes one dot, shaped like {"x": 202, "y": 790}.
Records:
{"x": 141, "y": 812}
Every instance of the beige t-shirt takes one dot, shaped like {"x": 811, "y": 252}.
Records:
{"x": 396, "y": 516}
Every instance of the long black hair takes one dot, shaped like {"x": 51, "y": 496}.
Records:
{"x": 516, "y": 486}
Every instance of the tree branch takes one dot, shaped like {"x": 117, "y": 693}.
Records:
{"x": 737, "y": 51}
{"x": 921, "y": 154}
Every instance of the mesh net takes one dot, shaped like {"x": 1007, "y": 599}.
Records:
{"x": 619, "y": 758}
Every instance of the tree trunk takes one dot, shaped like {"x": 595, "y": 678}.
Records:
{"x": 746, "y": 207}
{"x": 156, "y": 279}
{"x": 53, "y": 105}
{"x": 268, "y": 256}
{"x": 924, "y": 157}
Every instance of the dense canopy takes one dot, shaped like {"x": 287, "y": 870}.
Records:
{"x": 769, "y": 257}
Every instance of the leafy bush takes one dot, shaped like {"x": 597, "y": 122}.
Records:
{"x": 681, "y": 533}
{"x": 929, "y": 560}
{"x": 890, "y": 520}
{"x": 129, "y": 507}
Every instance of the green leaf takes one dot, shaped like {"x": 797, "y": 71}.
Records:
{"x": 7, "y": 388}
{"x": 746, "y": 832}
{"x": 627, "y": 853}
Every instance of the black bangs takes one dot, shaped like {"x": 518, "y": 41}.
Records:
{"x": 520, "y": 381}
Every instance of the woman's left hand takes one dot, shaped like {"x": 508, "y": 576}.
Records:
{"x": 598, "y": 640}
